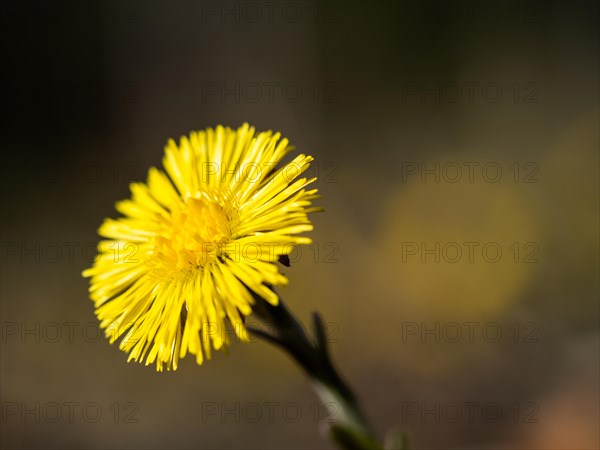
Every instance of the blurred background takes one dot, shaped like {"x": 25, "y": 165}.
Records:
{"x": 456, "y": 264}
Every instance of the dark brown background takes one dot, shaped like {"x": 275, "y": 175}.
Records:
{"x": 95, "y": 89}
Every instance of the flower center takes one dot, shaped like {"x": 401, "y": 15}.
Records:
{"x": 195, "y": 236}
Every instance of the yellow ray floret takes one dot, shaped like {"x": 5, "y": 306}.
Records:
{"x": 195, "y": 242}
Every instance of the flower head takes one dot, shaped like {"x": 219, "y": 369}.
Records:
{"x": 195, "y": 244}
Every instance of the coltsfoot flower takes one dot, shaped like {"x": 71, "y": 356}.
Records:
{"x": 196, "y": 240}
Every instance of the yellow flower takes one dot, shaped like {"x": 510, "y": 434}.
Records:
{"x": 195, "y": 241}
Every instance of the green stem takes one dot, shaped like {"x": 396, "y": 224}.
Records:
{"x": 351, "y": 429}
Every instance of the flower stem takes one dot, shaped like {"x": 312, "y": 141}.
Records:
{"x": 350, "y": 430}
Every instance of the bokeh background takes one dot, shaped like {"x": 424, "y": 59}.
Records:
{"x": 480, "y": 350}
